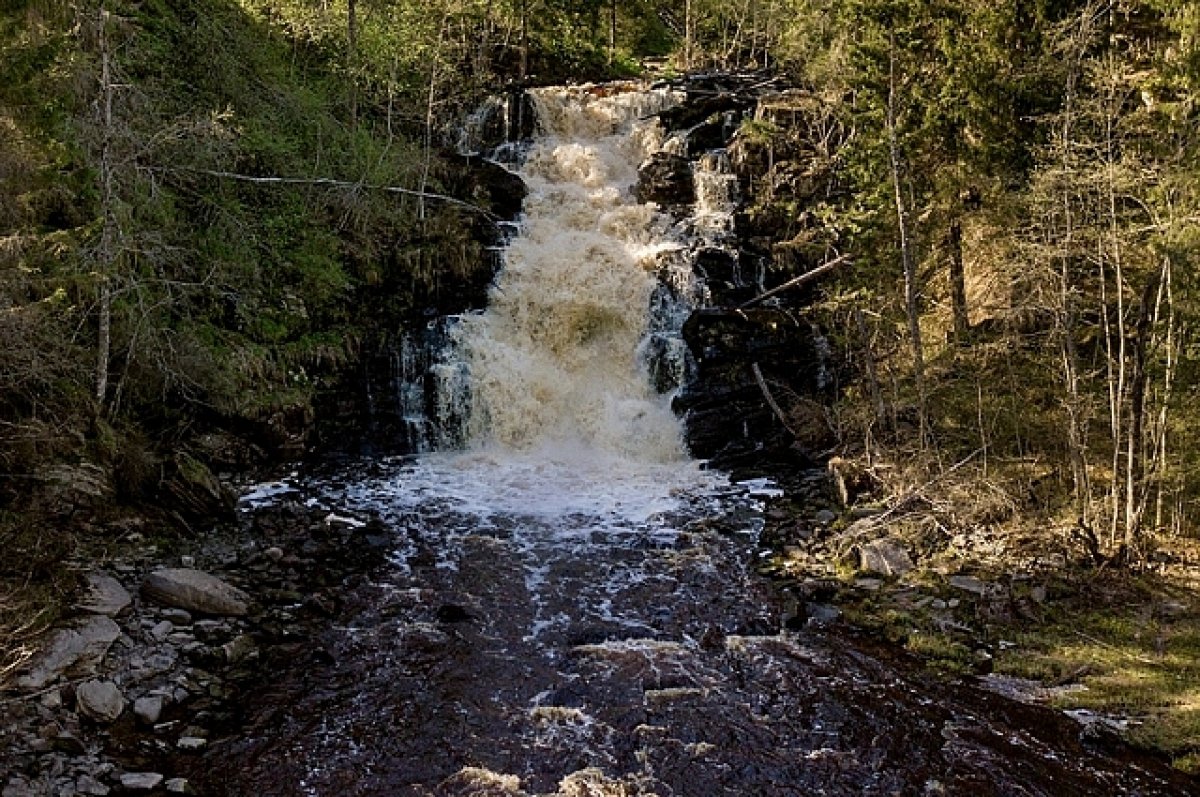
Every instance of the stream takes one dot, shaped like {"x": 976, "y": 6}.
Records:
{"x": 570, "y": 604}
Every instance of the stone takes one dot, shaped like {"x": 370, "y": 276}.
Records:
{"x": 191, "y": 744}
{"x": 666, "y": 179}
{"x": 969, "y": 584}
{"x": 239, "y": 649}
{"x": 17, "y": 787}
{"x": 78, "y": 648}
{"x": 178, "y": 786}
{"x": 195, "y": 591}
{"x": 885, "y": 557}
{"x": 86, "y": 784}
{"x": 177, "y": 616}
{"x": 868, "y": 584}
{"x": 100, "y": 700}
{"x": 273, "y": 553}
{"x": 148, "y": 709}
{"x": 141, "y": 781}
{"x": 162, "y": 630}
{"x": 105, "y": 595}
{"x": 822, "y": 613}
{"x": 825, "y": 517}
{"x": 187, "y": 561}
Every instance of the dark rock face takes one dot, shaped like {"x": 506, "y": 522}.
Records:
{"x": 726, "y": 415}
{"x": 667, "y": 180}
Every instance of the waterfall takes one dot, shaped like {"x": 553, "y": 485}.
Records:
{"x": 559, "y": 358}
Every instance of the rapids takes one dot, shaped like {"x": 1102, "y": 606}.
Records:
{"x": 571, "y": 605}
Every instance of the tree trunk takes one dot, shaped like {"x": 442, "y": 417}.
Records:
{"x": 911, "y": 288}
{"x": 107, "y": 252}
{"x": 1135, "y": 468}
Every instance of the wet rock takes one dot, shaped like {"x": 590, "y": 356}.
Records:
{"x": 100, "y": 700}
{"x": 196, "y": 591}
{"x": 104, "y": 595}
{"x": 141, "y": 781}
{"x": 885, "y": 557}
{"x": 148, "y": 709}
{"x": 71, "y": 649}
{"x": 666, "y": 179}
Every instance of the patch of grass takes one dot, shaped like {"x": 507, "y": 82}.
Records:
{"x": 1136, "y": 647}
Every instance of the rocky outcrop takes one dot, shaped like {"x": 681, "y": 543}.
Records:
{"x": 195, "y": 591}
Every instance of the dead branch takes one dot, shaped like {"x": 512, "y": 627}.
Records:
{"x": 346, "y": 184}
{"x": 807, "y": 276}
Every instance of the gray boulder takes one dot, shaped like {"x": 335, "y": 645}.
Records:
{"x": 100, "y": 700}
{"x": 195, "y": 591}
{"x": 885, "y": 557}
{"x": 77, "y": 648}
{"x": 141, "y": 781}
{"x": 105, "y": 595}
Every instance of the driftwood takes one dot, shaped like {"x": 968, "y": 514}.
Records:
{"x": 795, "y": 282}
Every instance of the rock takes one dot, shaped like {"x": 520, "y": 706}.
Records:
{"x": 868, "y": 584}
{"x": 666, "y": 179}
{"x": 178, "y": 786}
{"x": 17, "y": 787}
{"x": 86, "y": 784}
{"x": 239, "y": 649}
{"x": 187, "y": 561}
{"x": 825, "y": 517}
{"x": 141, "y": 781}
{"x": 105, "y": 595}
{"x": 195, "y": 591}
{"x": 822, "y": 614}
{"x": 177, "y": 616}
{"x": 273, "y": 553}
{"x": 969, "y": 584}
{"x": 162, "y": 630}
{"x": 76, "y": 648}
{"x": 885, "y": 557}
{"x": 100, "y": 700}
{"x": 1038, "y": 594}
{"x": 191, "y": 744}
{"x": 148, "y": 709}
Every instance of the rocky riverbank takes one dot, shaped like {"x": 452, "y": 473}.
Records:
{"x": 166, "y": 644}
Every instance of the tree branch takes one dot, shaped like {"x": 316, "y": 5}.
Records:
{"x": 807, "y": 276}
{"x": 347, "y": 184}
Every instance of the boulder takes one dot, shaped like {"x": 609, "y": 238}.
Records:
{"x": 100, "y": 700}
{"x": 885, "y": 557}
{"x": 76, "y": 648}
{"x": 105, "y": 595}
{"x": 195, "y": 591}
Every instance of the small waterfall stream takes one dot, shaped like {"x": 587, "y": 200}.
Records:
{"x": 572, "y": 606}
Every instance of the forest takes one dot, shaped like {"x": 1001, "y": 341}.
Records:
{"x": 212, "y": 211}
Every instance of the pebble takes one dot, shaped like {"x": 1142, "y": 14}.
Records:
{"x": 273, "y": 553}
{"x": 86, "y": 784}
{"x": 162, "y": 630}
{"x": 100, "y": 700}
{"x": 187, "y": 561}
{"x": 178, "y": 786}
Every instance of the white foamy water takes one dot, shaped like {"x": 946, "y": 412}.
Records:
{"x": 554, "y": 360}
